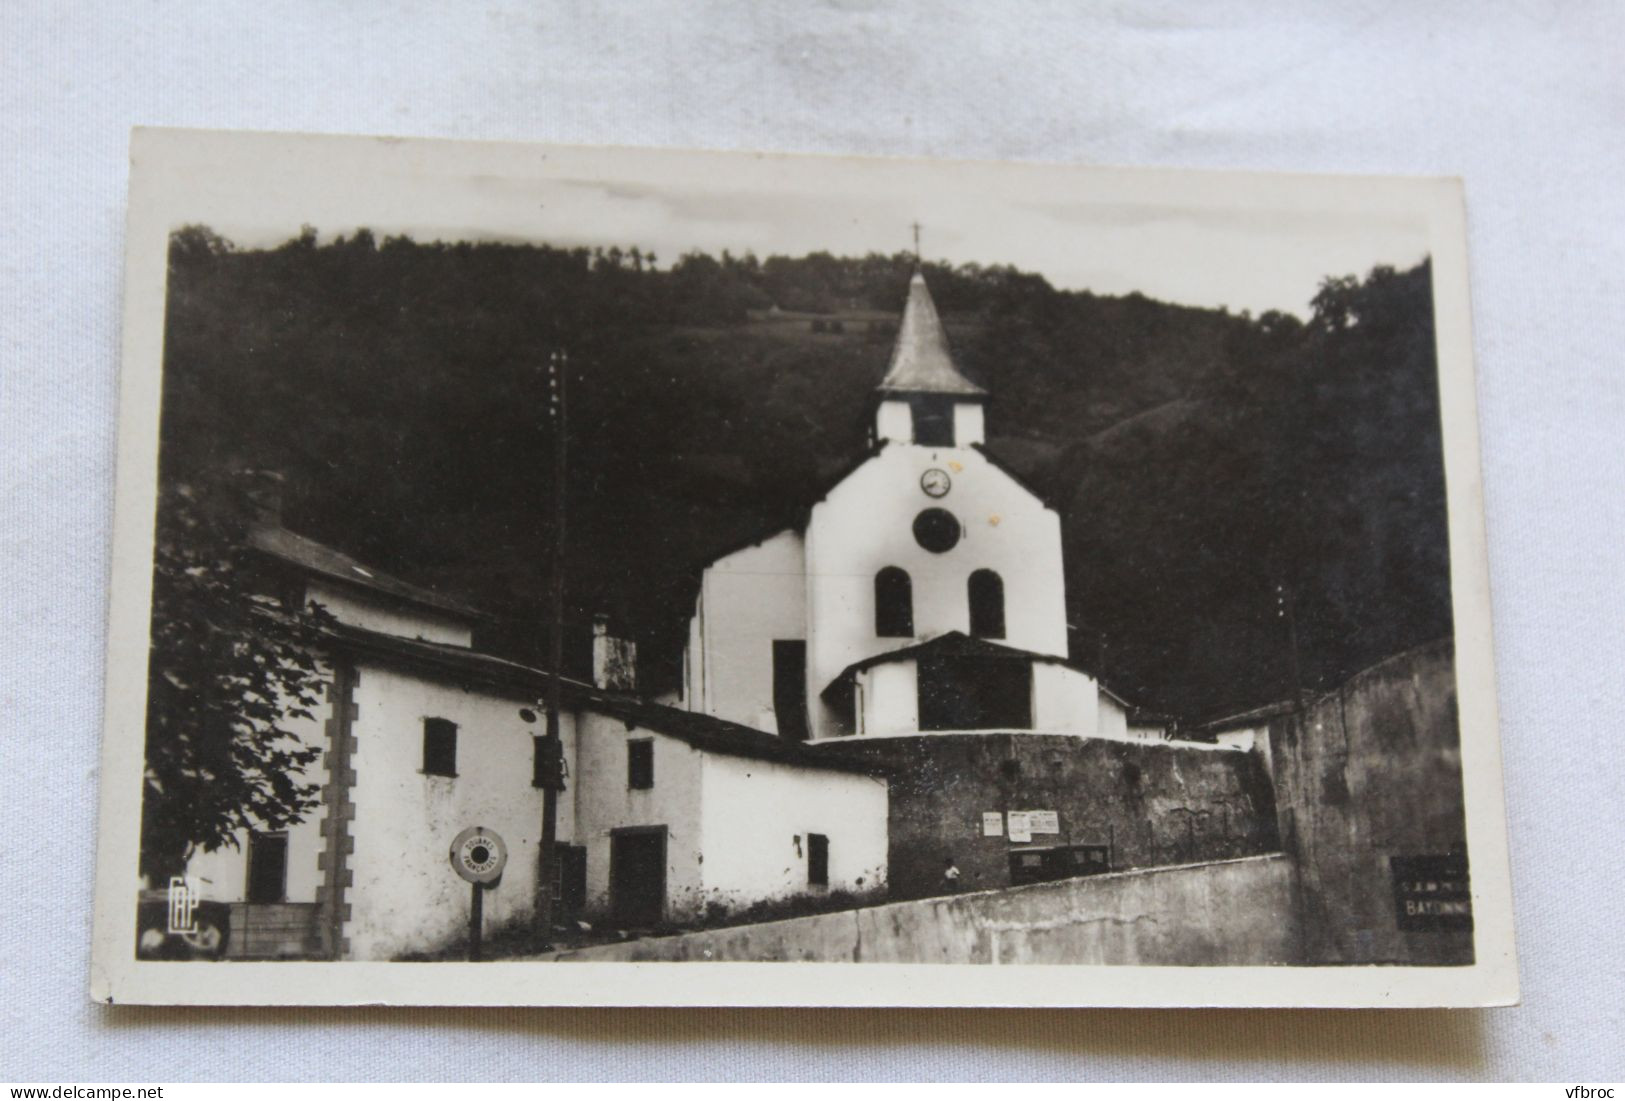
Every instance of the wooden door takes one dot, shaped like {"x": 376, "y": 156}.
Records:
{"x": 637, "y": 877}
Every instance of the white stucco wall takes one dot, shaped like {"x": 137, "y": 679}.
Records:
{"x": 222, "y": 875}
{"x": 894, "y": 421}
{"x": 1113, "y": 718}
{"x": 355, "y": 609}
{"x": 1064, "y": 700}
{"x": 755, "y": 822}
{"x": 890, "y": 698}
{"x": 968, "y": 423}
{"x": 866, "y": 523}
{"x": 747, "y": 600}
{"x": 604, "y": 802}
{"x": 404, "y": 895}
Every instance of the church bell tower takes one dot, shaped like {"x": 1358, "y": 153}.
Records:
{"x": 923, "y": 398}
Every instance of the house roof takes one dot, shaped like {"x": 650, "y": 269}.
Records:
{"x": 466, "y": 667}
{"x": 307, "y": 554}
{"x": 920, "y": 361}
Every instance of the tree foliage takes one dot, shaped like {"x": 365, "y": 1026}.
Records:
{"x": 228, "y": 669}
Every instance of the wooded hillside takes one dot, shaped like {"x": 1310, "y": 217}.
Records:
{"x": 1198, "y": 458}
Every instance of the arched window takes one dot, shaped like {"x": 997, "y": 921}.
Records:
{"x": 894, "y": 604}
{"x": 986, "y": 605}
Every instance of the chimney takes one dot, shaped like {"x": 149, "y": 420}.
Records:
{"x": 614, "y": 660}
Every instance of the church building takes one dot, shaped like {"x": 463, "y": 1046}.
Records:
{"x": 918, "y": 617}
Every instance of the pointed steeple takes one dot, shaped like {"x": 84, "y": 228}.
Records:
{"x": 921, "y": 362}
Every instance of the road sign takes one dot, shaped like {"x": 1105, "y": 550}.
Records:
{"x": 479, "y": 855}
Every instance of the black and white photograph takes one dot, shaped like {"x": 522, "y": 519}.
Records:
{"x": 546, "y": 575}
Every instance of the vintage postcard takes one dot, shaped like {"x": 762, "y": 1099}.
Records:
{"x": 600, "y": 576}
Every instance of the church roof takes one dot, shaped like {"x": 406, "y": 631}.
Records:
{"x": 953, "y": 644}
{"x": 957, "y": 644}
{"x": 920, "y": 361}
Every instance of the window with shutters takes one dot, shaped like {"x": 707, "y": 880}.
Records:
{"x": 439, "y": 747}
{"x": 640, "y": 764}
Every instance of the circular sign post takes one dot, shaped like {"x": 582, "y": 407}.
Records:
{"x": 478, "y": 855}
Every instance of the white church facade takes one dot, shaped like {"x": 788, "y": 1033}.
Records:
{"x": 925, "y": 591}
{"x": 916, "y": 619}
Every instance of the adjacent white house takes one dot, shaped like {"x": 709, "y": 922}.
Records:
{"x": 665, "y": 815}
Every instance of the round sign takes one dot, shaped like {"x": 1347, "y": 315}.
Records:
{"x": 478, "y": 855}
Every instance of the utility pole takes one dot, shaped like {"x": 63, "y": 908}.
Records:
{"x": 552, "y": 748}
{"x": 1285, "y": 609}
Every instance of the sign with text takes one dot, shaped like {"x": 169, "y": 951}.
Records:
{"x": 478, "y": 855}
{"x": 1020, "y": 828}
{"x": 1432, "y": 893}
{"x": 1040, "y": 821}
{"x": 993, "y": 824}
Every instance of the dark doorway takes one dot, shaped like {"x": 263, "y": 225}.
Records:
{"x": 975, "y": 694}
{"x": 790, "y": 687}
{"x": 818, "y": 860}
{"x": 570, "y": 888}
{"x": 267, "y": 867}
{"x": 637, "y": 876}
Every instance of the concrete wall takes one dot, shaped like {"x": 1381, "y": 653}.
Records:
{"x": 866, "y": 523}
{"x": 351, "y": 607}
{"x": 755, "y": 821}
{"x": 1370, "y": 772}
{"x": 605, "y": 803}
{"x": 1152, "y": 803}
{"x": 1229, "y": 913}
{"x": 404, "y": 895}
{"x": 747, "y": 600}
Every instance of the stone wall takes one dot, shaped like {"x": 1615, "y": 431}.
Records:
{"x": 1149, "y": 803}
{"x": 1365, "y": 774}
{"x": 1230, "y": 913}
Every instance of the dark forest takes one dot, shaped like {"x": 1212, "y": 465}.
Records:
{"x": 1213, "y": 471}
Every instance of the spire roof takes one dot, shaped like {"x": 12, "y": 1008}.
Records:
{"x": 921, "y": 362}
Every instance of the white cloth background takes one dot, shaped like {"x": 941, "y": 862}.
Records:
{"x": 1524, "y": 99}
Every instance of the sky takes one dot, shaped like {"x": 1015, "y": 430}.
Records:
{"x": 1246, "y": 242}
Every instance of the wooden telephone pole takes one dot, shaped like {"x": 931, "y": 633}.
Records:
{"x": 552, "y": 748}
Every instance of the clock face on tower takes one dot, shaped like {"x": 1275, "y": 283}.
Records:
{"x": 936, "y": 483}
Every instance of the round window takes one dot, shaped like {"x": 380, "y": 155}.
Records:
{"x": 936, "y": 530}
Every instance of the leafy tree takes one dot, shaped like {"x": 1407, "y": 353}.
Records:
{"x": 227, "y": 669}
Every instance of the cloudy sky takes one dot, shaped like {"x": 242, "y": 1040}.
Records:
{"x": 1208, "y": 239}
